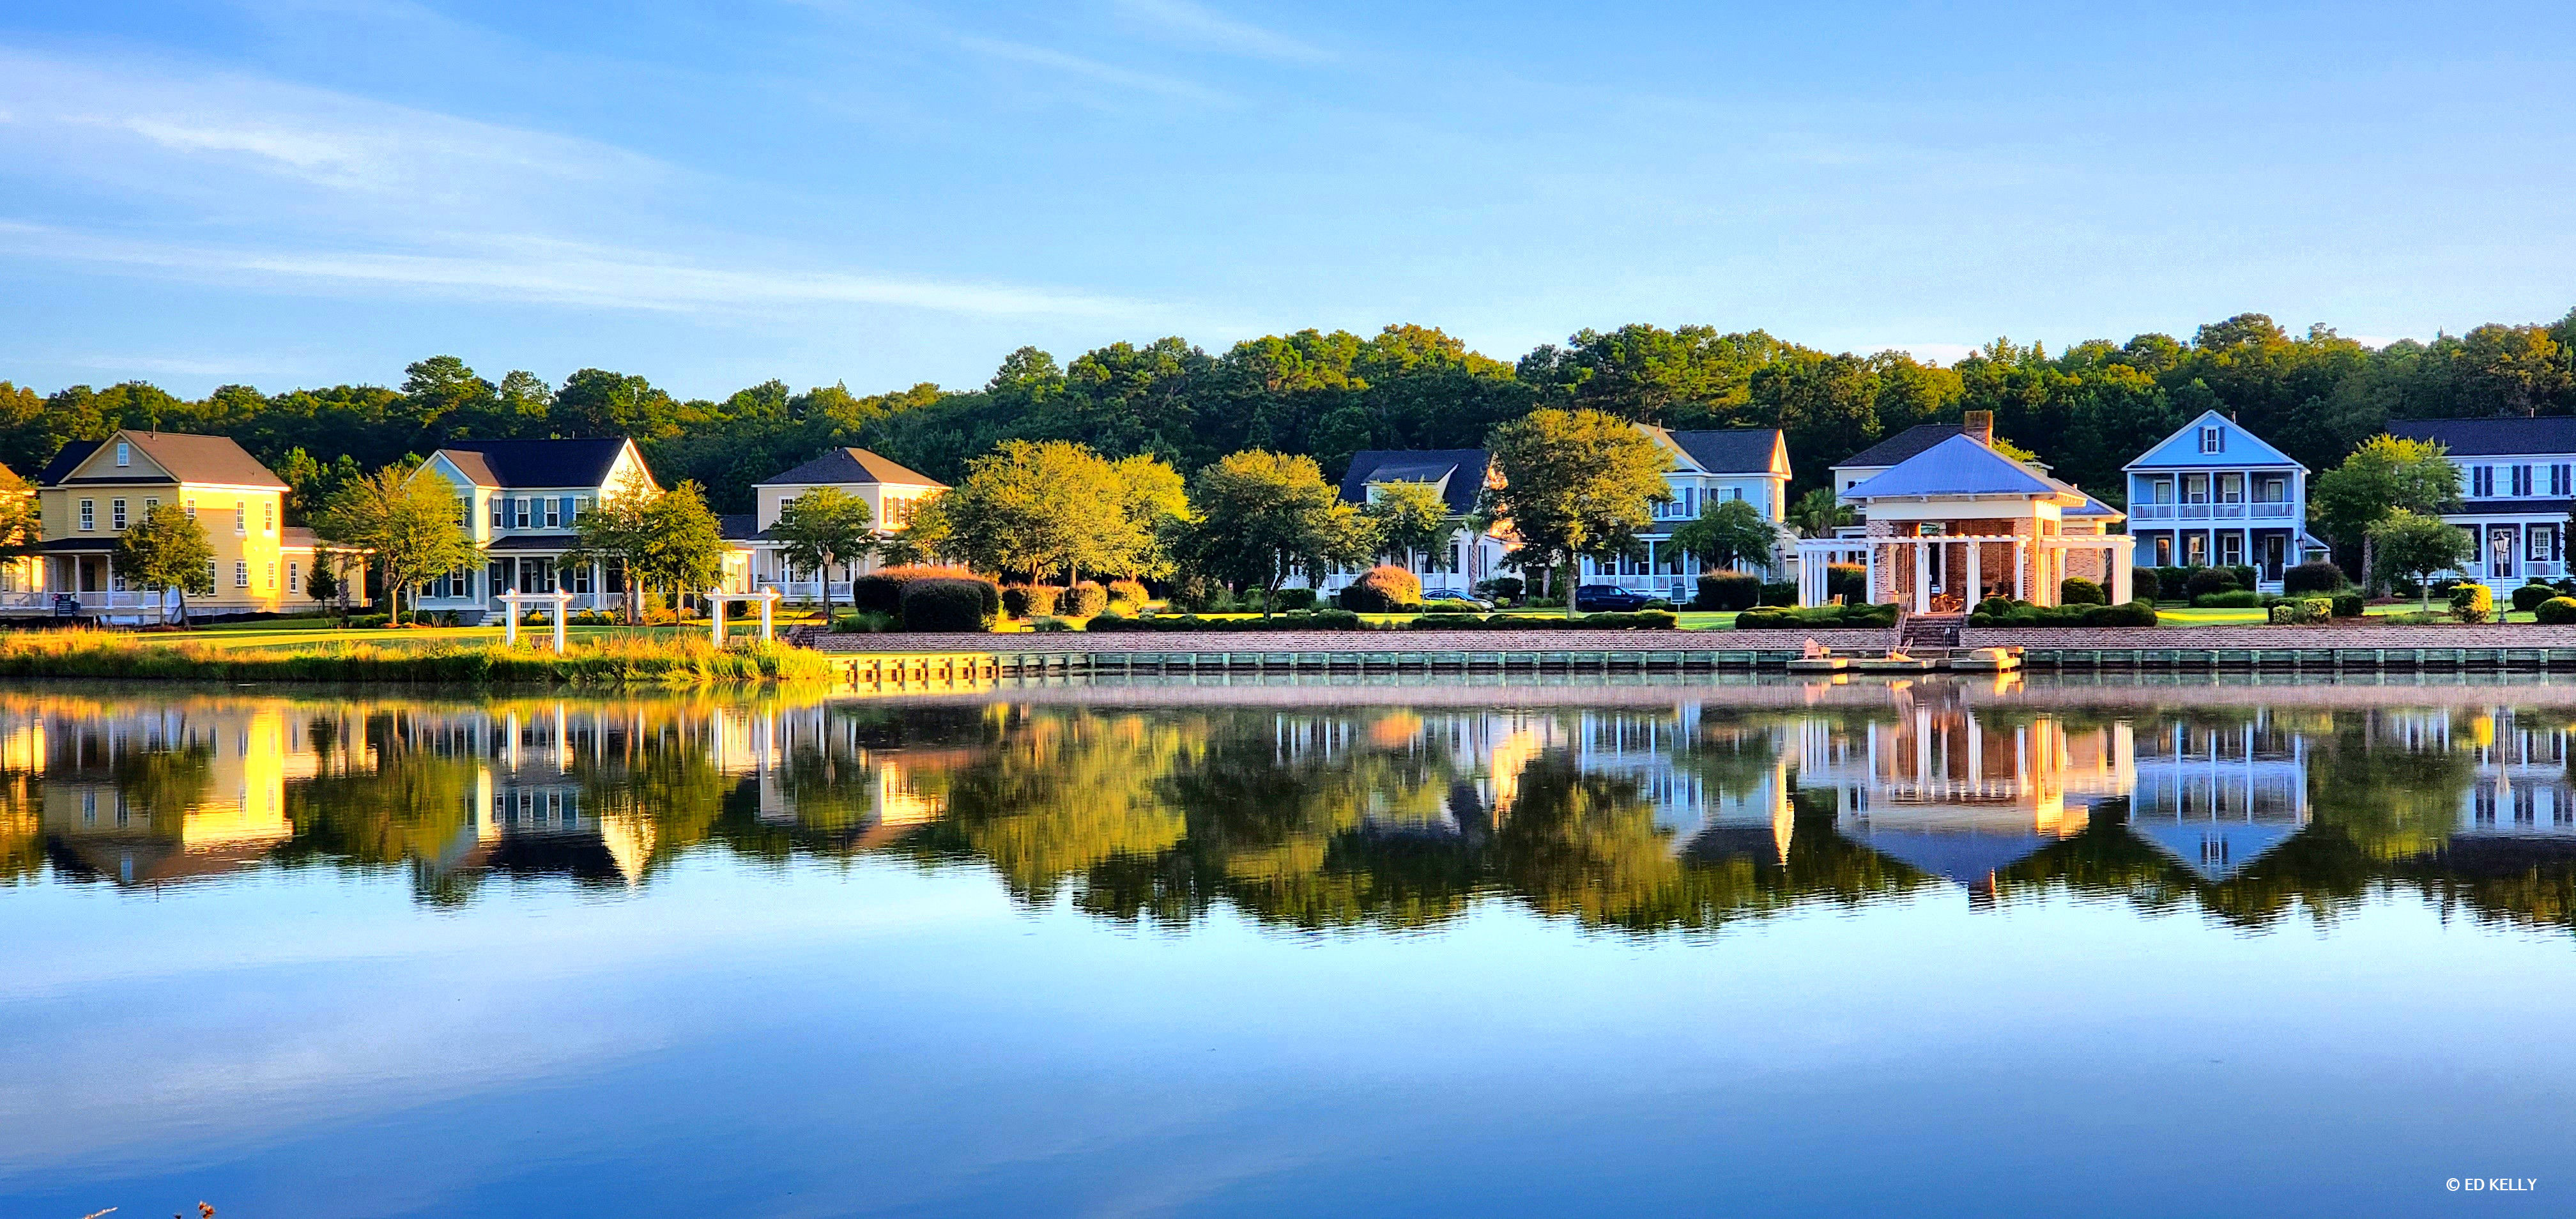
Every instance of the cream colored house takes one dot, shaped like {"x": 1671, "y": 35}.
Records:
{"x": 891, "y": 492}
{"x": 95, "y": 489}
{"x": 521, "y": 501}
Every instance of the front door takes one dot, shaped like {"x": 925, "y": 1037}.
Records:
{"x": 2275, "y": 549}
{"x": 2500, "y": 552}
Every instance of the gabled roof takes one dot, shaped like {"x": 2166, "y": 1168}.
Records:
{"x": 1958, "y": 466}
{"x": 2181, "y": 451}
{"x": 1747, "y": 450}
{"x": 1460, "y": 473}
{"x": 187, "y": 459}
{"x": 1900, "y": 446}
{"x": 2546, "y": 436}
{"x": 535, "y": 463}
{"x": 849, "y": 465}
{"x": 738, "y": 526}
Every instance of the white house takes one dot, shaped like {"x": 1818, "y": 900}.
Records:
{"x": 1705, "y": 468}
{"x": 2216, "y": 495}
{"x": 2515, "y": 475}
{"x": 1460, "y": 477}
{"x": 521, "y": 502}
{"x": 891, "y": 492}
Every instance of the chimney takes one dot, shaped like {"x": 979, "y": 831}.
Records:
{"x": 1978, "y": 426}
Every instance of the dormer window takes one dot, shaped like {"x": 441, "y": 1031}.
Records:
{"x": 2213, "y": 440}
{"x": 124, "y": 453}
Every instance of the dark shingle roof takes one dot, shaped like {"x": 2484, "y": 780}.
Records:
{"x": 2516, "y": 437}
{"x": 848, "y": 465}
{"x": 738, "y": 526}
{"x": 1745, "y": 450}
{"x": 1465, "y": 468}
{"x": 1902, "y": 445}
{"x": 2512, "y": 507}
{"x": 535, "y": 463}
{"x": 188, "y": 458}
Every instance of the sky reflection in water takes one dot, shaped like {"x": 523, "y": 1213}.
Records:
{"x": 1754, "y": 948}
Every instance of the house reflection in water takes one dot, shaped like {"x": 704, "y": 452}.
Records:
{"x": 154, "y": 799}
{"x": 1959, "y": 792}
{"x": 2216, "y": 797}
{"x": 2519, "y": 786}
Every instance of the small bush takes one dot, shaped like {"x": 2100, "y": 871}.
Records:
{"x": 1296, "y": 620}
{"x": 2348, "y": 605}
{"x": 1849, "y": 581}
{"x": 947, "y": 605}
{"x": 1792, "y": 617}
{"x": 2314, "y": 576}
{"x": 1646, "y": 620}
{"x": 2302, "y": 611}
{"x": 882, "y": 591}
{"x": 1447, "y": 607}
{"x": 856, "y": 622}
{"x": 2076, "y": 590}
{"x": 2206, "y": 580}
{"x": 1728, "y": 590}
{"x": 2472, "y": 602}
{"x": 1083, "y": 600}
{"x": 1295, "y": 599}
{"x": 364, "y": 621}
{"x": 1780, "y": 592}
{"x": 2172, "y": 583}
{"x": 1128, "y": 592}
{"x": 1029, "y": 600}
{"x": 1658, "y": 603}
{"x": 2528, "y": 597}
{"x": 2226, "y": 600}
{"x": 1996, "y": 611}
{"x": 1049, "y": 626}
{"x": 2556, "y": 611}
{"x": 1502, "y": 588}
{"x": 2144, "y": 583}
{"x": 1383, "y": 589}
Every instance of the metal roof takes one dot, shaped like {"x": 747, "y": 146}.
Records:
{"x": 1958, "y": 466}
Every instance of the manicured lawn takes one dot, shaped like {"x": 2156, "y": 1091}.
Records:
{"x": 303, "y": 633}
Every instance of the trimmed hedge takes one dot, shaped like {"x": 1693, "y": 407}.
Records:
{"x": 1792, "y": 617}
{"x": 1997, "y": 611}
{"x": 2556, "y": 611}
{"x": 2076, "y": 590}
{"x": 1645, "y": 620}
{"x": 1728, "y": 590}
{"x": 1294, "y": 599}
{"x": 2145, "y": 584}
{"x": 1300, "y": 620}
{"x": 1383, "y": 589}
{"x": 2528, "y": 597}
{"x": 2472, "y": 602}
{"x": 2315, "y": 576}
{"x": 1849, "y": 581}
{"x": 1128, "y": 592}
{"x": 2302, "y": 611}
{"x": 950, "y": 605}
{"x": 882, "y": 591}
{"x": 2348, "y": 605}
{"x": 1083, "y": 600}
{"x": 1780, "y": 592}
{"x": 2227, "y": 600}
{"x": 2203, "y": 581}
{"x": 1029, "y": 600}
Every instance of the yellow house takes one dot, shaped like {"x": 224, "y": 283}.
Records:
{"x": 94, "y": 489}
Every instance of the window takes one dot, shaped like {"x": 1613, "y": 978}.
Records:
{"x": 241, "y": 519}
{"x": 89, "y": 514}
{"x": 2541, "y": 543}
{"x": 241, "y": 573}
{"x": 2195, "y": 488}
{"x": 465, "y": 512}
{"x": 2522, "y": 480}
{"x": 2231, "y": 488}
{"x": 2558, "y": 479}
{"x": 272, "y": 578}
{"x": 554, "y": 512}
{"x": 2482, "y": 481}
{"x": 210, "y": 573}
{"x": 150, "y": 502}
{"x": 574, "y": 508}
{"x": 116, "y": 514}
{"x": 124, "y": 453}
{"x": 2161, "y": 491}
{"x": 192, "y": 509}
{"x": 2232, "y": 547}
{"x": 268, "y": 516}
{"x": 2195, "y": 550}
{"x": 2213, "y": 440}
{"x": 1735, "y": 493}
{"x": 499, "y": 506}
{"x": 294, "y": 577}
{"x": 519, "y": 510}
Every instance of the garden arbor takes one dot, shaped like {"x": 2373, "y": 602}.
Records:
{"x": 514, "y": 603}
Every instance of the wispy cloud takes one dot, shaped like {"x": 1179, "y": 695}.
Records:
{"x": 1090, "y": 69}
{"x": 555, "y": 272}
{"x": 1184, "y": 21}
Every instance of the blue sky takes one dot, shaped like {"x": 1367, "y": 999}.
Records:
{"x": 313, "y": 191}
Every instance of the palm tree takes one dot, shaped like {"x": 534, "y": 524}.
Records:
{"x": 1818, "y": 513}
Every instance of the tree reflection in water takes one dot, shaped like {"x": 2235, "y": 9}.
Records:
{"x": 1679, "y": 813}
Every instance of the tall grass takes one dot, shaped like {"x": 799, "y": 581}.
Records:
{"x": 108, "y": 655}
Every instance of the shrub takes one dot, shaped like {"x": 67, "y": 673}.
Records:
{"x": 363, "y": 621}
{"x": 2302, "y": 611}
{"x": 1298, "y": 620}
{"x": 1728, "y": 590}
{"x": 1658, "y": 603}
{"x": 1030, "y": 600}
{"x": 1128, "y": 592}
{"x": 1294, "y": 599}
{"x": 2134, "y": 613}
{"x": 1849, "y": 581}
{"x": 1083, "y": 600}
{"x": 1996, "y": 611}
{"x": 2144, "y": 584}
{"x": 1448, "y": 607}
{"x": 2076, "y": 590}
{"x": 2472, "y": 602}
{"x": 1649, "y": 620}
{"x": 2347, "y": 605}
{"x": 2556, "y": 611}
{"x": 1383, "y": 589}
{"x": 2171, "y": 583}
{"x": 948, "y": 605}
{"x": 2226, "y": 600}
{"x": 855, "y": 622}
{"x": 1779, "y": 592}
{"x": 881, "y": 591}
{"x": 1792, "y": 617}
{"x": 1502, "y": 588}
{"x": 2528, "y": 597}
{"x": 2314, "y": 576}
{"x": 2206, "y": 580}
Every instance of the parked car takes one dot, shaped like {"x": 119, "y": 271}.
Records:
{"x": 1454, "y": 597}
{"x": 1592, "y": 598}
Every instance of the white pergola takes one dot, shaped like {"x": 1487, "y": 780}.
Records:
{"x": 510, "y": 615}
{"x": 2038, "y": 564}
{"x": 716, "y": 598}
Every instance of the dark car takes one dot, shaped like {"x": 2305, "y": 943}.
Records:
{"x": 1454, "y": 597}
{"x": 1590, "y": 598}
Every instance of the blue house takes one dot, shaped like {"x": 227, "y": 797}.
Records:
{"x": 2216, "y": 495}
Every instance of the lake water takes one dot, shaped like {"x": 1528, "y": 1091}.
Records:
{"x": 1414, "y": 948}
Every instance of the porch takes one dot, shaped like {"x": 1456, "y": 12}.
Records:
{"x": 2511, "y": 552}
{"x": 1940, "y": 573}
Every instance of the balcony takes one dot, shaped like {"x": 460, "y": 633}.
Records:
{"x": 2152, "y": 512}
{"x": 2276, "y": 511}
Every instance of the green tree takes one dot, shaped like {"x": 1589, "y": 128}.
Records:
{"x": 924, "y": 538}
{"x": 2385, "y": 475}
{"x": 1041, "y": 507}
{"x": 1729, "y": 534}
{"x": 2413, "y": 546}
{"x": 1411, "y": 518}
{"x": 1153, "y": 502}
{"x": 323, "y": 583}
{"x": 617, "y": 533}
{"x": 407, "y": 526}
{"x": 825, "y": 528}
{"x": 1263, "y": 517}
{"x": 684, "y": 544}
{"x": 22, "y": 529}
{"x": 1576, "y": 484}
{"x": 166, "y": 550}
{"x": 1818, "y": 513}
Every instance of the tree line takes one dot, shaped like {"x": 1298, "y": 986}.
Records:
{"x": 2088, "y": 408}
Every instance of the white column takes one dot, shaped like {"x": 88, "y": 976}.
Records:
{"x": 768, "y": 599}
{"x": 510, "y": 619}
{"x": 2120, "y": 560}
{"x": 2021, "y": 569}
{"x": 715, "y": 614}
{"x": 1870, "y": 557}
{"x": 563, "y": 606}
{"x": 1922, "y": 576}
{"x": 1968, "y": 597}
